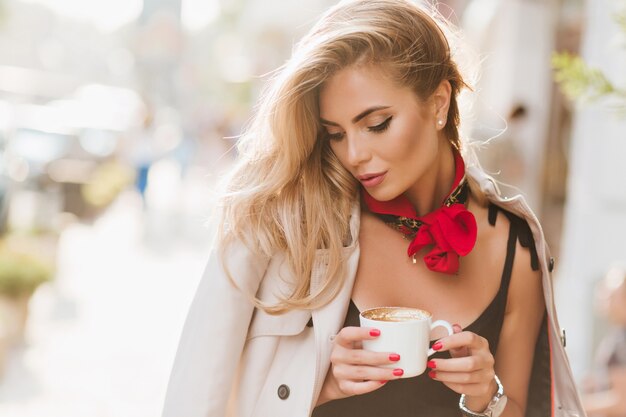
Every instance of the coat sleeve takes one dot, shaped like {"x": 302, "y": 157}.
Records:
{"x": 214, "y": 334}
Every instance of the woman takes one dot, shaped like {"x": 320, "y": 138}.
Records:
{"x": 357, "y": 133}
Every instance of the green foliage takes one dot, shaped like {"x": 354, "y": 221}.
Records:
{"x": 21, "y": 273}
{"x": 580, "y": 81}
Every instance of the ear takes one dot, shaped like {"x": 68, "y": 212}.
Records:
{"x": 440, "y": 100}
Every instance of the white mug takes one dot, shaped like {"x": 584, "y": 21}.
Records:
{"x": 405, "y": 331}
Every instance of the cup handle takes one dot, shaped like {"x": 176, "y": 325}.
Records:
{"x": 440, "y": 323}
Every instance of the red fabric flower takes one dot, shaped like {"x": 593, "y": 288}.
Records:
{"x": 441, "y": 261}
{"x": 452, "y": 230}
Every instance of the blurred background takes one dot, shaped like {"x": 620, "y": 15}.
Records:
{"x": 117, "y": 118}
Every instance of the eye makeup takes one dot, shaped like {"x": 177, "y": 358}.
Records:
{"x": 379, "y": 128}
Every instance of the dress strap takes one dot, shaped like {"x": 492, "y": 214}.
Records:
{"x": 508, "y": 262}
{"x": 493, "y": 214}
{"x": 527, "y": 240}
{"x": 510, "y": 257}
{"x": 505, "y": 280}
{"x": 522, "y": 232}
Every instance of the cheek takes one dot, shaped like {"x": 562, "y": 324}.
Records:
{"x": 411, "y": 140}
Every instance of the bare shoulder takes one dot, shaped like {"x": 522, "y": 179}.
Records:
{"x": 525, "y": 286}
{"x": 494, "y": 239}
{"x": 493, "y": 226}
{"x": 489, "y": 254}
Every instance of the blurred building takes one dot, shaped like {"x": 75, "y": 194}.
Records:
{"x": 595, "y": 216}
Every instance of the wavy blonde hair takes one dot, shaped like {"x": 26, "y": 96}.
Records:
{"x": 288, "y": 192}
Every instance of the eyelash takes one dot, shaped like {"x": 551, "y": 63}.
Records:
{"x": 381, "y": 127}
{"x": 376, "y": 129}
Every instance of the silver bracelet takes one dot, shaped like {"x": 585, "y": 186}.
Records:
{"x": 494, "y": 408}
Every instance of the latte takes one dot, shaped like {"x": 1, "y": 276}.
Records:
{"x": 395, "y": 314}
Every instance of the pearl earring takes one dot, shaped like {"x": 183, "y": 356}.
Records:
{"x": 440, "y": 122}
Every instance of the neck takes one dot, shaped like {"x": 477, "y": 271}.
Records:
{"x": 428, "y": 193}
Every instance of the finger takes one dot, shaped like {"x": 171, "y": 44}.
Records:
{"x": 468, "y": 340}
{"x": 460, "y": 352}
{"x": 482, "y": 376}
{"x": 456, "y": 328}
{"x": 483, "y": 360}
{"x": 365, "y": 373}
{"x": 348, "y": 336}
{"x": 362, "y": 357}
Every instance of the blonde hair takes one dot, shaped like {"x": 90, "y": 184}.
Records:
{"x": 288, "y": 192}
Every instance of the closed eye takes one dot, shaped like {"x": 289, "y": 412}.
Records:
{"x": 333, "y": 136}
{"x": 381, "y": 127}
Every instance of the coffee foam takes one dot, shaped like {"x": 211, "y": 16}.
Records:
{"x": 397, "y": 314}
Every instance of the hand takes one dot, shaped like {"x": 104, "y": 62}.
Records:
{"x": 354, "y": 371}
{"x": 471, "y": 369}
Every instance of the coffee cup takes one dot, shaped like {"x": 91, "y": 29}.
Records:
{"x": 405, "y": 331}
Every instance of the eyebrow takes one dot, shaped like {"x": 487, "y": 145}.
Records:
{"x": 358, "y": 117}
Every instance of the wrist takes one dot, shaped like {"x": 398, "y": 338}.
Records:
{"x": 494, "y": 408}
{"x": 330, "y": 390}
{"x": 479, "y": 403}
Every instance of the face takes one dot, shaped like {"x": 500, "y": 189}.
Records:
{"x": 382, "y": 133}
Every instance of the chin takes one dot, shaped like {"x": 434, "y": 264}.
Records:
{"x": 382, "y": 194}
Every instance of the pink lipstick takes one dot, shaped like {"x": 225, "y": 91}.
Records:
{"x": 372, "y": 180}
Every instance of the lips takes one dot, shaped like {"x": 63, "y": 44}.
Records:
{"x": 371, "y": 180}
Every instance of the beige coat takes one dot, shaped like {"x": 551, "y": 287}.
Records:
{"x": 235, "y": 360}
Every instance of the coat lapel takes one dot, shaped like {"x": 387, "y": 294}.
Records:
{"x": 329, "y": 319}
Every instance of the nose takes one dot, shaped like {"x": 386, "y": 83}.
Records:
{"x": 358, "y": 151}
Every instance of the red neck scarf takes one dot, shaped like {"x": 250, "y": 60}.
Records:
{"x": 450, "y": 229}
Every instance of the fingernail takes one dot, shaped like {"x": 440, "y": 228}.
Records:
{"x": 398, "y": 372}
{"x": 432, "y": 374}
{"x": 374, "y": 332}
{"x": 431, "y": 364}
{"x": 437, "y": 346}
{"x": 394, "y": 357}
{"x": 383, "y": 382}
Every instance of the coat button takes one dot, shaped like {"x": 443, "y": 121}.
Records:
{"x": 563, "y": 338}
{"x": 551, "y": 264}
{"x": 283, "y": 392}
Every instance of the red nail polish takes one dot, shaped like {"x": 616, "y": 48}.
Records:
{"x": 398, "y": 372}
{"x": 374, "y": 332}
{"x": 431, "y": 364}
{"x": 437, "y": 346}
{"x": 394, "y": 357}
{"x": 432, "y": 374}
{"x": 383, "y": 382}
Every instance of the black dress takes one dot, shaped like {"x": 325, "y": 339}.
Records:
{"x": 420, "y": 395}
